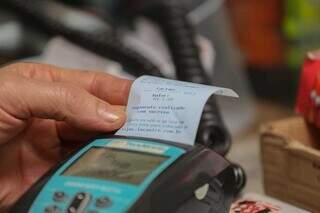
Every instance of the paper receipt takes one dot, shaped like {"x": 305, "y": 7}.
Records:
{"x": 166, "y": 109}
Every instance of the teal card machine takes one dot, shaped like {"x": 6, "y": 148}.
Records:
{"x": 119, "y": 174}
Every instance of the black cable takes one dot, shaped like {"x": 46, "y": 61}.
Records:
{"x": 240, "y": 178}
{"x": 185, "y": 53}
{"x": 45, "y": 14}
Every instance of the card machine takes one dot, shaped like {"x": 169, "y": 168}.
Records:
{"x": 119, "y": 174}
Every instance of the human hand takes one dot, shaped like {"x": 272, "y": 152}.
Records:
{"x": 45, "y": 112}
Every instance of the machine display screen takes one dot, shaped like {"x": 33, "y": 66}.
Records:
{"x": 115, "y": 165}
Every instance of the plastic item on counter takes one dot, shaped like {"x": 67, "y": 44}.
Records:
{"x": 308, "y": 99}
{"x": 257, "y": 28}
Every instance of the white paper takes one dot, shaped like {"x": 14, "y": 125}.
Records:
{"x": 167, "y": 109}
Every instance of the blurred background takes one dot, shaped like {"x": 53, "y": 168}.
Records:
{"x": 255, "y": 47}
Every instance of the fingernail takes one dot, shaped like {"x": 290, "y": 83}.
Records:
{"x": 107, "y": 114}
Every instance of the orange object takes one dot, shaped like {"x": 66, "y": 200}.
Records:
{"x": 257, "y": 26}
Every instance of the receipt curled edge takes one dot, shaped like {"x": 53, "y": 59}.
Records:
{"x": 167, "y": 109}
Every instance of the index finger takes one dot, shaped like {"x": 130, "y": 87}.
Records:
{"x": 107, "y": 87}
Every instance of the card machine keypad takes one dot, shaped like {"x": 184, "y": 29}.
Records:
{"x": 79, "y": 202}
{"x": 107, "y": 175}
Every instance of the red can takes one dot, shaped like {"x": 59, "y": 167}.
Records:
{"x": 308, "y": 100}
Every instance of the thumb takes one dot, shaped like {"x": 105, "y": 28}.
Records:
{"x": 23, "y": 98}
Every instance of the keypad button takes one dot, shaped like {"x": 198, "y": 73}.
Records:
{"x": 60, "y": 197}
{"x": 79, "y": 203}
{"x": 52, "y": 209}
{"x": 103, "y": 202}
